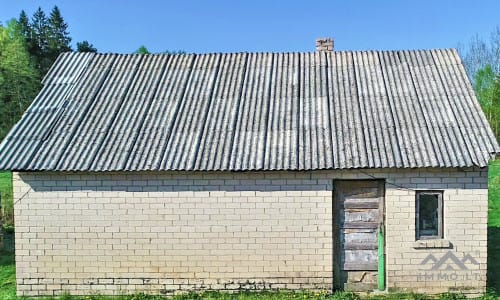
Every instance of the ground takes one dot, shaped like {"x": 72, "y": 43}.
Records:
{"x": 7, "y": 266}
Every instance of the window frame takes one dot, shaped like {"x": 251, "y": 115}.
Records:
{"x": 440, "y": 234}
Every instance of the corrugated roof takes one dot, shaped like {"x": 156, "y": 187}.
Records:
{"x": 252, "y": 111}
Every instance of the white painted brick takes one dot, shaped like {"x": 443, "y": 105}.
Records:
{"x": 219, "y": 229}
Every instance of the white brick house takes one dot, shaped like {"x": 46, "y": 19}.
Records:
{"x": 158, "y": 173}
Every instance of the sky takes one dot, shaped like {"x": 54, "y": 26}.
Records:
{"x": 268, "y": 25}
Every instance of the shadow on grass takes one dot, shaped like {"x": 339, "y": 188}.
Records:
{"x": 494, "y": 258}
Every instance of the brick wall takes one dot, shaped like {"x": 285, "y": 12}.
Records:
{"x": 161, "y": 232}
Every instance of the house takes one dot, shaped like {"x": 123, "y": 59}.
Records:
{"x": 360, "y": 170}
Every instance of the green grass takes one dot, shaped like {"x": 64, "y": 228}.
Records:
{"x": 494, "y": 194}
{"x": 8, "y": 284}
{"x": 7, "y": 271}
{"x": 6, "y": 194}
{"x": 494, "y": 226}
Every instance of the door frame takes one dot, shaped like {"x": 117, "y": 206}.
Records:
{"x": 336, "y": 270}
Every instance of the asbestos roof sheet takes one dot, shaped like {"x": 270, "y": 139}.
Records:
{"x": 252, "y": 111}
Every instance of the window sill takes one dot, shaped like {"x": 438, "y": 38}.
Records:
{"x": 432, "y": 243}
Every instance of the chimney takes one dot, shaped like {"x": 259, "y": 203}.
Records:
{"x": 324, "y": 44}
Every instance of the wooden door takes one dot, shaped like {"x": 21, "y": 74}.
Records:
{"x": 359, "y": 215}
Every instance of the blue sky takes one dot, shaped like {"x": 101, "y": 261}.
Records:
{"x": 259, "y": 25}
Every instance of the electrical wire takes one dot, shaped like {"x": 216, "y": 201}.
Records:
{"x": 22, "y": 197}
{"x": 399, "y": 187}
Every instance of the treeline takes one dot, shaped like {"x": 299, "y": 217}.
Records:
{"x": 481, "y": 59}
{"x": 143, "y": 50}
{"x": 46, "y": 37}
{"x": 28, "y": 47}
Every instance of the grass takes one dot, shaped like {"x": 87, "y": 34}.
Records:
{"x": 494, "y": 226}
{"x": 494, "y": 194}
{"x": 6, "y": 196}
{"x": 8, "y": 284}
{"x": 7, "y": 270}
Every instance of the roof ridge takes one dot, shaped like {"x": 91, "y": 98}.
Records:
{"x": 270, "y": 52}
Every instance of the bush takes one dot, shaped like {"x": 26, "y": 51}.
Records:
{"x": 9, "y": 228}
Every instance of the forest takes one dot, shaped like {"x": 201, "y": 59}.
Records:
{"x": 28, "y": 47}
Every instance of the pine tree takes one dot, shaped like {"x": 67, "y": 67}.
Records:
{"x": 85, "y": 46}
{"x": 39, "y": 45}
{"x": 59, "y": 39}
{"x": 24, "y": 29}
{"x": 24, "y": 26}
{"x": 46, "y": 37}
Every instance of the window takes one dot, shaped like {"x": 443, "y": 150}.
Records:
{"x": 429, "y": 216}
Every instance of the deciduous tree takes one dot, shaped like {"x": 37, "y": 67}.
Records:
{"x": 479, "y": 53}
{"x": 19, "y": 81}
{"x": 481, "y": 59}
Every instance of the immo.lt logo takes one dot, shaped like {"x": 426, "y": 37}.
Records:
{"x": 449, "y": 267}
{"x": 449, "y": 262}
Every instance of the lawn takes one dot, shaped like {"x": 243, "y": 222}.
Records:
{"x": 6, "y": 197}
{"x": 494, "y": 226}
{"x": 7, "y": 267}
{"x": 7, "y": 271}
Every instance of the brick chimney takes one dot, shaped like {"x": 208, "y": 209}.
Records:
{"x": 324, "y": 44}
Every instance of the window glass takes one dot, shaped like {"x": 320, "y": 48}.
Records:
{"x": 429, "y": 215}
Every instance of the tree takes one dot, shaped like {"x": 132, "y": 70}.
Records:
{"x": 85, "y": 46}
{"x": 488, "y": 92}
{"x": 482, "y": 62}
{"x": 495, "y": 100}
{"x": 173, "y": 52}
{"x": 46, "y": 38}
{"x": 24, "y": 25}
{"x": 487, "y": 88}
{"x": 491, "y": 97}
{"x": 59, "y": 39}
{"x": 142, "y": 50}
{"x": 480, "y": 53}
{"x": 484, "y": 81}
{"x": 38, "y": 41}
{"x": 18, "y": 77}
